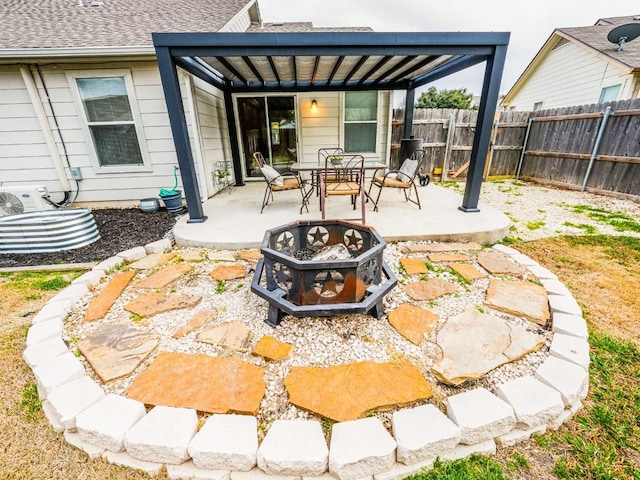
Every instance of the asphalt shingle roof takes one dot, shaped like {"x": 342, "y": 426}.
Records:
{"x": 595, "y": 36}
{"x": 117, "y": 23}
{"x": 302, "y": 27}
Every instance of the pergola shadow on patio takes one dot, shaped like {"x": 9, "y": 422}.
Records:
{"x": 321, "y": 61}
{"x": 235, "y": 219}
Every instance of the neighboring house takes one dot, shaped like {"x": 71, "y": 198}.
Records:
{"x": 81, "y": 96}
{"x": 578, "y": 66}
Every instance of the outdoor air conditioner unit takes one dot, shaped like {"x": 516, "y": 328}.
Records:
{"x": 23, "y": 199}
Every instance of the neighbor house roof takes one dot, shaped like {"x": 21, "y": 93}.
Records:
{"x": 57, "y": 24}
{"x": 302, "y": 27}
{"x": 594, "y": 38}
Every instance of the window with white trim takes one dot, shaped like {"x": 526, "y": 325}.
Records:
{"x": 537, "y": 106}
{"x": 609, "y": 94}
{"x": 360, "y": 121}
{"x": 112, "y": 120}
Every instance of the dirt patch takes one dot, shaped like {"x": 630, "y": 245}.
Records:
{"x": 120, "y": 229}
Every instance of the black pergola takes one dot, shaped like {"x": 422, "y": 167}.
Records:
{"x": 325, "y": 61}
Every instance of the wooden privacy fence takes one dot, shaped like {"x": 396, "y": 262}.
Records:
{"x": 579, "y": 147}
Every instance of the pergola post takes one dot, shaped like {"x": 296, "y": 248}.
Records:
{"x": 410, "y": 100}
{"x": 486, "y": 113}
{"x": 233, "y": 138}
{"x": 175, "y": 109}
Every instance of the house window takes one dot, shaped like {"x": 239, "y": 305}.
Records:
{"x": 537, "y": 106}
{"x": 112, "y": 122}
{"x": 609, "y": 94}
{"x": 360, "y": 121}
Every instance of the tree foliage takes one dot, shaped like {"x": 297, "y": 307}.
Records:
{"x": 455, "y": 98}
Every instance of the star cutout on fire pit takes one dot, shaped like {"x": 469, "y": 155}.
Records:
{"x": 329, "y": 283}
{"x": 353, "y": 240}
{"x": 282, "y": 276}
{"x": 285, "y": 242}
{"x": 318, "y": 236}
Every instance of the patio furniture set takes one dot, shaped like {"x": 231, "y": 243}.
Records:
{"x": 337, "y": 173}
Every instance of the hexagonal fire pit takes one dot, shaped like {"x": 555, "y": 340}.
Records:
{"x": 322, "y": 268}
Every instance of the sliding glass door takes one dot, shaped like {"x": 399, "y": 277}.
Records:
{"x": 268, "y": 125}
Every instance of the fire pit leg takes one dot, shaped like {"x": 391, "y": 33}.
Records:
{"x": 377, "y": 310}
{"x": 274, "y": 316}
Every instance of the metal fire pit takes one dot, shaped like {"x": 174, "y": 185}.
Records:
{"x": 295, "y": 284}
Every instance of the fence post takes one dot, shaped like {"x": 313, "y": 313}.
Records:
{"x": 524, "y": 148}
{"x": 492, "y": 142}
{"x": 596, "y": 145}
{"x": 447, "y": 148}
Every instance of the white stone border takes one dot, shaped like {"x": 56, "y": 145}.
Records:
{"x": 226, "y": 447}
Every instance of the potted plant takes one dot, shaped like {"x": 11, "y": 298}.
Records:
{"x": 172, "y": 198}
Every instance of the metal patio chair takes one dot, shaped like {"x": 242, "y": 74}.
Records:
{"x": 279, "y": 182}
{"x": 343, "y": 177}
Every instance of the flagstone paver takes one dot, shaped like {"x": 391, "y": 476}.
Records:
{"x": 449, "y": 257}
{"x": 204, "y": 383}
{"x": 233, "y": 335}
{"x": 498, "y": 263}
{"x": 193, "y": 257}
{"x": 101, "y": 304}
{"x": 227, "y": 272}
{"x": 468, "y": 272}
{"x": 165, "y": 276}
{"x": 252, "y": 255}
{"x": 519, "y": 298}
{"x": 347, "y": 392}
{"x": 413, "y": 266}
{"x": 430, "y": 289}
{"x": 154, "y": 303}
{"x": 413, "y": 322}
{"x": 199, "y": 320}
{"x": 272, "y": 349}
{"x": 152, "y": 260}
{"x": 221, "y": 256}
{"x": 474, "y": 343}
{"x": 441, "y": 247}
{"x": 115, "y": 350}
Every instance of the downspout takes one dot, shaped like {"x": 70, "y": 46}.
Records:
{"x": 30, "y": 83}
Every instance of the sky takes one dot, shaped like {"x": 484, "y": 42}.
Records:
{"x": 530, "y": 23}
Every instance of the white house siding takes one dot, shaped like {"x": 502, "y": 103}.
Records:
{"x": 240, "y": 22}
{"x": 323, "y": 128}
{"x": 213, "y": 130}
{"x": 35, "y": 166}
{"x": 569, "y": 75}
{"x": 24, "y": 157}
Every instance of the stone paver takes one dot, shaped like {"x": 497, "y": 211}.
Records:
{"x": 74, "y": 440}
{"x": 480, "y": 415}
{"x": 232, "y": 335}
{"x": 73, "y": 293}
{"x": 68, "y": 400}
{"x": 44, "y": 331}
{"x": 90, "y": 278}
{"x": 164, "y": 276}
{"x": 524, "y": 260}
{"x": 43, "y": 351}
{"x": 498, "y": 263}
{"x": 518, "y": 435}
{"x": 400, "y": 471}
{"x": 487, "y": 447}
{"x": 449, "y": 257}
{"x": 252, "y": 255}
{"x": 542, "y": 273}
{"x": 105, "y": 423}
{"x": 566, "y": 377}
{"x": 272, "y": 349}
{"x": 347, "y": 392}
{"x": 360, "y": 448}
{"x": 204, "y": 383}
{"x": 441, "y": 247}
{"x": 566, "y": 415}
{"x": 199, "y": 320}
{"x": 53, "y": 310}
{"x": 57, "y": 371}
{"x": 533, "y": 402}
{"x": 574, "y": 325}
{"x": 133, "y": 254}
{"x": 504, "y": 249}
{"x": 125, "y": 460}
{"x": 519, "y": 298}
{"x": 468, "y": 272}
{"x": 162, "y": 435}
{"x": 571, "y": 348}
{"x": 223, "y": 256}
{"x": 257, "y": 474}
{"x": 294, "y": 447}
{"x": 226, "y": 442}
{"x": 423, "y": 433}
{"x": 155, "y": 303}
{"x": 52, "y": 417}
{"x": 227, "y": 272}
{"x": 430, "y": 289}
{"x": 413, "y": 266}
{"x": 564, "y": 304}
{"x": 554, "y": 287}
{"x": 109, "y": 264}
{"x": 188, "y": 471}
{"x": 101, "y": 304}
{"x": 475, "y": 343}
{"x": 115, "y": 350}
{"x": 158, "y": 246}
{"x": 412, "y": 322}
{"x": 152, "y": 260}
{"x": 194, "y": 257}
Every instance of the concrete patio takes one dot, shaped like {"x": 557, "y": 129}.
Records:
{"x": 234, "y": 219}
